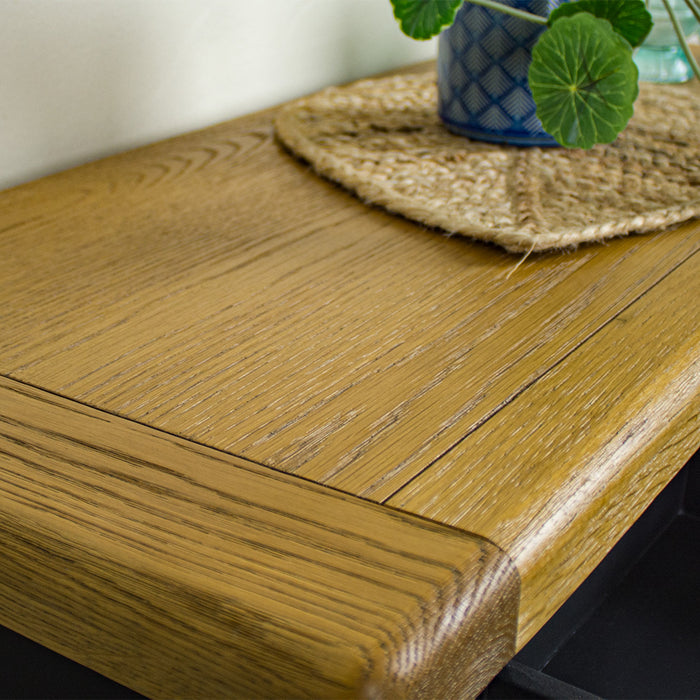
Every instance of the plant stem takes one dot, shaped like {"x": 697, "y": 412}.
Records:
{"x": 681, "y": 38}
{"x": 500, "y": 7}
{"x": 694, "y": 7}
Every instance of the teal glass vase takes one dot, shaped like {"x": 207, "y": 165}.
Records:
{"x": 660, "y": 59}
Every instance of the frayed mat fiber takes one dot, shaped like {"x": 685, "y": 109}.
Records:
{"x": 382, "y": 139}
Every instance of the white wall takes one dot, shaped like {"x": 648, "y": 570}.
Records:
{"x": 84, "y": 78}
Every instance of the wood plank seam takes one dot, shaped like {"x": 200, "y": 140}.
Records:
{"x": 196, "y": 444}
{"x": 521, "y": 390}
{"x": 568, "y": 466}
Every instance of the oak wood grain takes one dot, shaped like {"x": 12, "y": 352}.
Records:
{"x": 558, "y": 475}
{"x": 213, "y": 287}
{"x": 180, "y": 571}
{"x": 223, "y": 306}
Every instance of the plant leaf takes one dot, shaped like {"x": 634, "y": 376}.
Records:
{"x": 583, "y": 80}
{"x": 629, "y": 18}
{"x": 423, "y": 19}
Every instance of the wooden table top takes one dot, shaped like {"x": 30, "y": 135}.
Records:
{"x": 259, "y": 438}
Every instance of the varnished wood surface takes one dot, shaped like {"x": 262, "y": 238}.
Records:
{"x": 214, "y": 289}
{"x": 184, "y": 572}
{"x": 558, "y": 475}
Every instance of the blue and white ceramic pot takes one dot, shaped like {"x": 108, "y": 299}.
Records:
{"x": 483, "y": 62}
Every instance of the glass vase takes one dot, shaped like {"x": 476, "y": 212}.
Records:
{"x": 660, "y": 59}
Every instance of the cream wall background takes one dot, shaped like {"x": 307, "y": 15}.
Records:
{"x": 80, "y": 79}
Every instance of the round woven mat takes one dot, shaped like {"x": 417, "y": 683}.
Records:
{"x": 382, "y": 139}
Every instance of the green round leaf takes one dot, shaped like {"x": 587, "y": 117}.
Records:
{"x": 629, "y": 18}
{"x": 423, "y": 19}
{"x": 583, "y": 80}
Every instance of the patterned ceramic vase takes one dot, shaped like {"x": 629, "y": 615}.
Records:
{"x": 483, "y": 61}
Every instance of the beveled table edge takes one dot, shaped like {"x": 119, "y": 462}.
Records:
{"x": 178, "y": 570}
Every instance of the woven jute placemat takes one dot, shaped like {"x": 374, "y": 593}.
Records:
{"x": 382, "y": 139}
